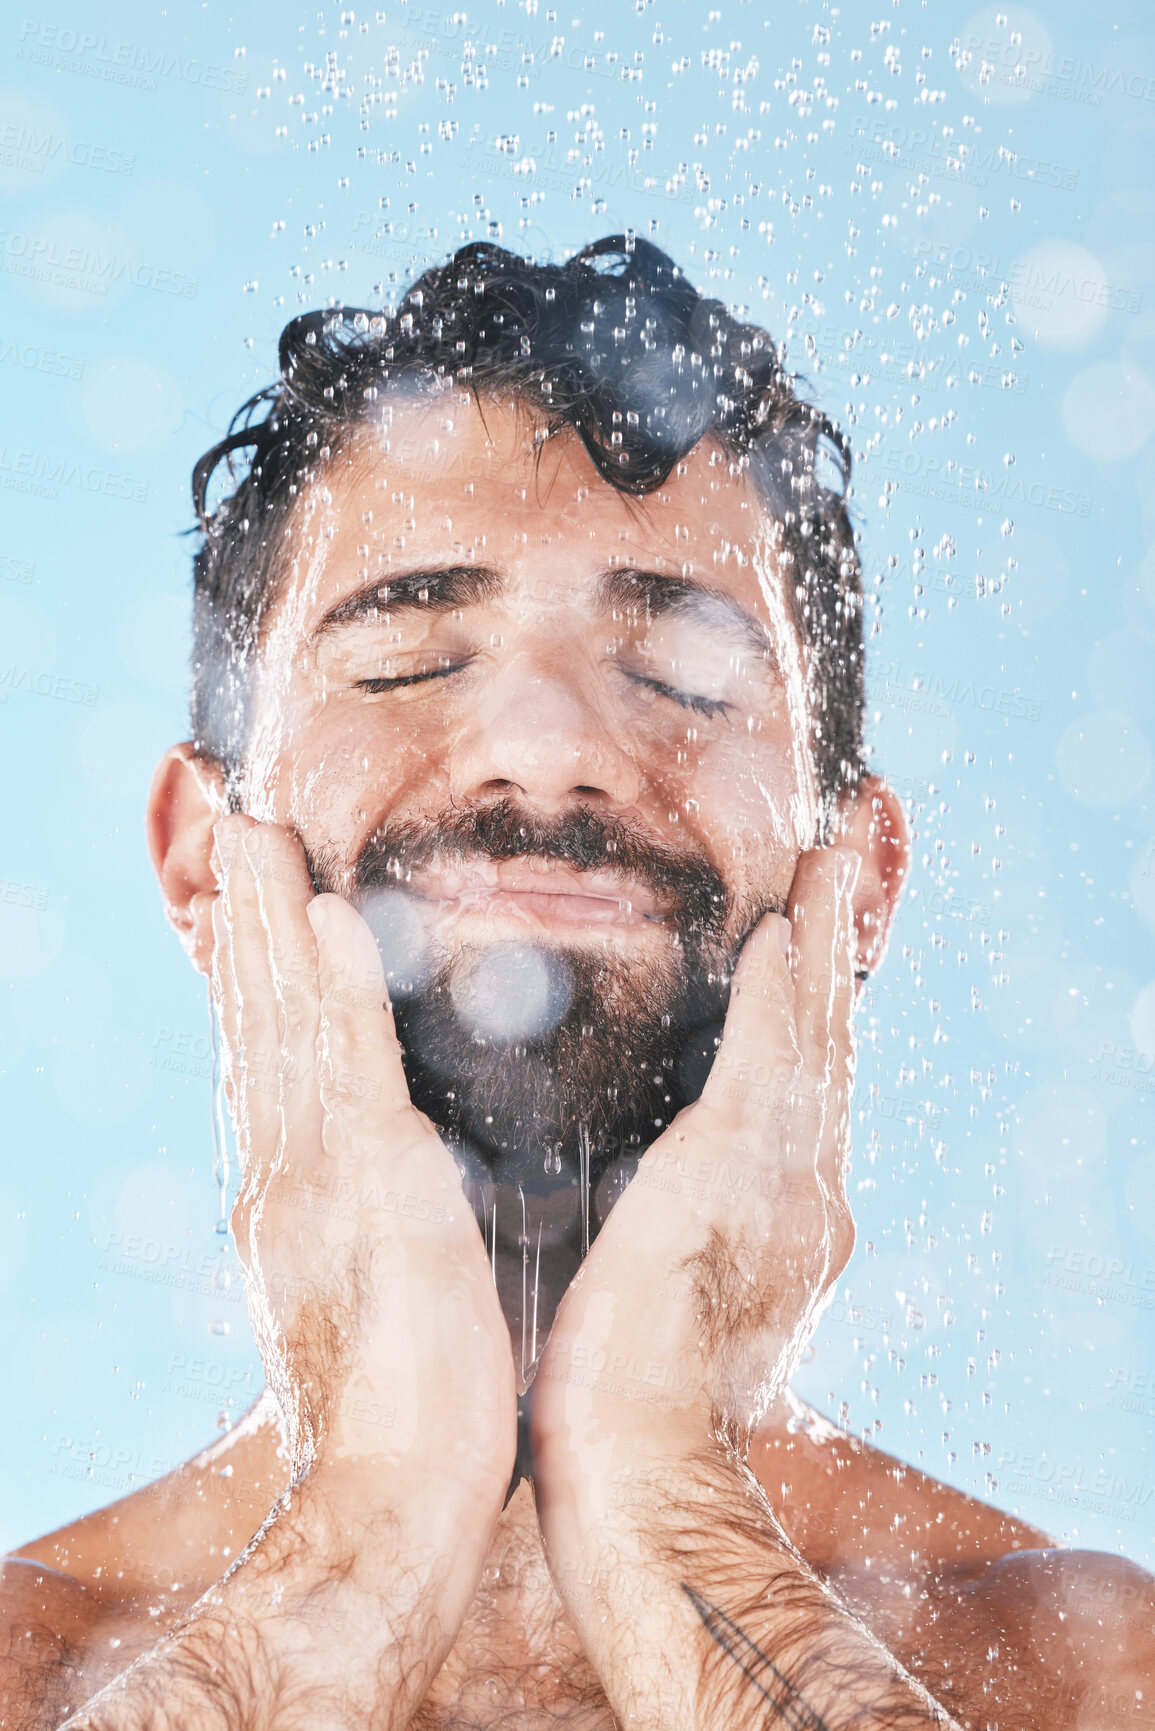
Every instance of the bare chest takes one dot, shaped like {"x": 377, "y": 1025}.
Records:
{"x": 525, "y": 1698}
{"x": 517, "y": 1663}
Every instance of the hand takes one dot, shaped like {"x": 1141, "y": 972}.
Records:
{"x": 694, "y": 1305}
{"x": 369, "y": 1291}
{"x": 682, "y": 1327}
{"x": 380, "y": 1329}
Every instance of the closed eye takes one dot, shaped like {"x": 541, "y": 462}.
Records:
{"x": 380, "y": 683}
{"x": 684, "y": 699}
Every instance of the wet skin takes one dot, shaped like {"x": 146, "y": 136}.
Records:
{"x": 942, "y": 1580}
{"x": 542, "y": 681}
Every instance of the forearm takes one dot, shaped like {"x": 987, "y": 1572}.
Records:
{"x": 338, "y": 1614}
{"x": 698, "y": 1613}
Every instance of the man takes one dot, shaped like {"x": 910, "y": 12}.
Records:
{"x": 526, "y": 838}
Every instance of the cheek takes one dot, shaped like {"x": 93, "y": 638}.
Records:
{"x": 742, "y": 783}
{"x": 349, "y": 768}
{"x": 750, "y": 812}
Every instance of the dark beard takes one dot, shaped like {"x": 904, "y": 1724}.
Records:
{"x": 540, "y": 1056}
{"x": 550, "y": 1069}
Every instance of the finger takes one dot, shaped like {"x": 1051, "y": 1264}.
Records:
{"x": 758, "y": 1056}
{"x": 251, "y": 1007}
{"x": 225, "y": 1000}
{"x": 363, "y": 1085}
{"x": 284, "y": 890}
{"x": 822, "y": 922}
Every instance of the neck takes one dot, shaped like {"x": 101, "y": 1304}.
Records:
{"x": 538, "y": 1214}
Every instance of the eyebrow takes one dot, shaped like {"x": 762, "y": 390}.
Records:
{"x": 627, "y": 587}
{"x": 428, "y": 589}
{"x": 442, "y": 589}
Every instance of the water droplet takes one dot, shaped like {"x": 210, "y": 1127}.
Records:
{"x": 512, "y": 992}
{"x": 393, "y": 919}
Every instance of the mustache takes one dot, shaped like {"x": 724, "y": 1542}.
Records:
{"x": 582, "y": 838}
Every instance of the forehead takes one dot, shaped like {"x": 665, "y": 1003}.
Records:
{"x": 454, "y": 480}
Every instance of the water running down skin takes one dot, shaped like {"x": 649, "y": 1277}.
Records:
{"x": 343, "y": 1557}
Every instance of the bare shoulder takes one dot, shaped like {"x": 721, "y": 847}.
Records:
{"x": 48, "y": 1627}
{"x": 1061, "y": 1638}
{"x": 1090, "y": 1610}
{"x": 171, "y": 1539}
{"x": 983, "y": 1608}
{"x": 79, "y": 1604}
{"x": 848, "y": 1505}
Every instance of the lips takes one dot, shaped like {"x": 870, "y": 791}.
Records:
{"x": 537, "y": 892}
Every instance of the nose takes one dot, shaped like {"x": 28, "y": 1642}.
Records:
{"x": 539, "y": 733}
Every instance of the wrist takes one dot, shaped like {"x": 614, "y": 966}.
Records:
{"x": 637, "y": 1498}
{"x": 636, "y": 1438}
{"x": 381, "y": 1508}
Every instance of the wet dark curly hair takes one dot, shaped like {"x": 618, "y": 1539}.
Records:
{"x": 614, "y": 344}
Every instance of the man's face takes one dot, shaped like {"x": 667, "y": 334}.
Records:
{"x": 550, "y": 739}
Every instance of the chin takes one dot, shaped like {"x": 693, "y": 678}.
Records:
{"x": 540, "y": 1054}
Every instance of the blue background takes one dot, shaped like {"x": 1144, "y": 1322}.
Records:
{"x": 950, "y": 226}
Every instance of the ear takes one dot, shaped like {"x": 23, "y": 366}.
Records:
{"x": 872, "y": 822}
{"x": 185, "y": 800}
